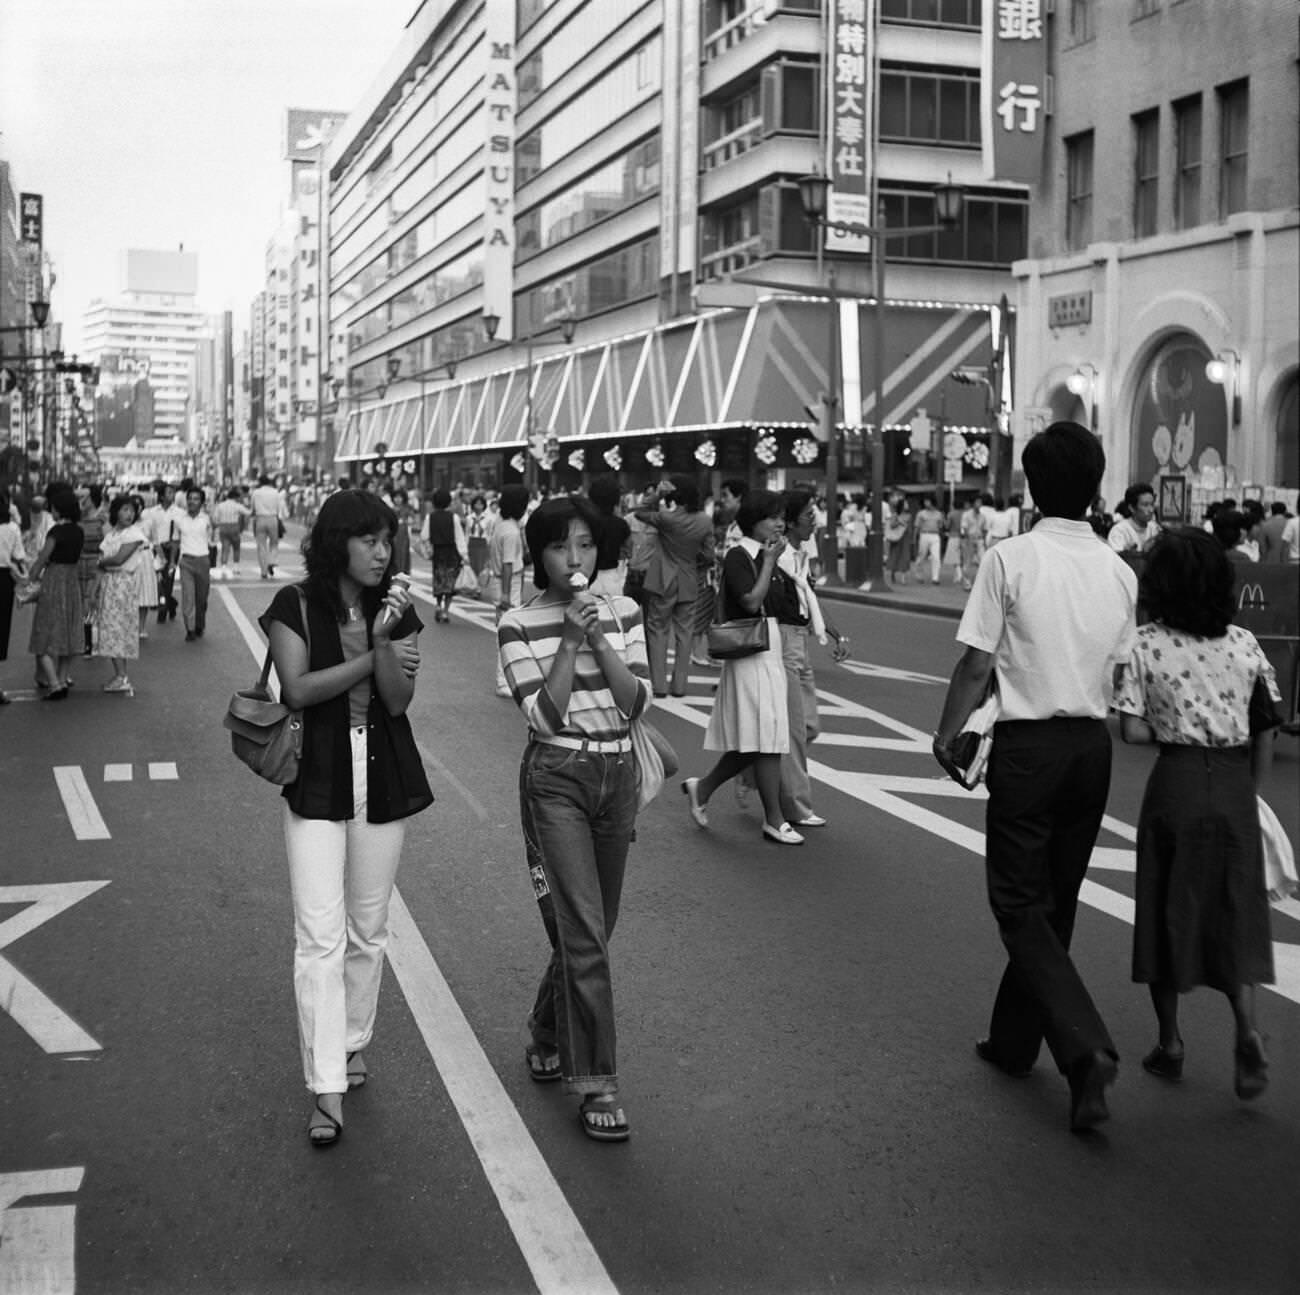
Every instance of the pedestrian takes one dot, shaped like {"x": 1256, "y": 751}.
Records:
{"x": 160, "y": 523}
{"x": 974, "y": 538}
{"x": 577, "y": 669}
{"x": 673, "y": 579}
{"x": 1099, "y": 519}
{"x": 1136, "y": 531}
{"x": 801, "y": 618}
{"x": 478, "y": 531}
{"x": 58, "y": 625}
{"x": 443, "y": 538}
{"x": 402, "y": 536}
{"x": 1291, "y": 539}
{"x": 929, "y": 538}
{"x": 505, "y": 566}
{"x": 1201, "y": 907}
{"x": 1053, "y": 611}
{"x": 613, "y": 537}
{"x": 38, "y": 527}
{"x": 230, "y": 516}
{"x": 115, "y": 611}
{"x": 952, "y": 556}
{"x": 1003, "y": 521}
{"x": 350, "y": 669}
{"x": 93, "y": 522}
{"x": 1271, "y": 548}
{"x": 194, "y": 532}
{"x": 1229, "y": 530}
{"x": 750, "y": 722}
{"x": 268, "y": 524}
{"x": 13, "y": 563}
{"x": 899, "y": 540}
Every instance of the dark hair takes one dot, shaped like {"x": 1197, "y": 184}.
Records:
{"x": 1136, "y": 491}
{"x": 96, "y": 493}
{"x": 604, "y": 492}
{"x": 686, "y": 492}
{"x": 794, "y": 502}
{"x": 513, "y": 502}
{"x": 343, "y": 516}
{"x": 192, "y": 489}
{"x": 1229, "y": 526}
{"x": 758, "y": 506}
{"x": 1278, "y": 508}
{"x": 120, "y": 502}
{"x": 264, "y": 480}
{"x": 1187, "y": 583}
{"x": 62, "y": 501}
{"x": 442, "y": 497}
{"x": 736, "y": 485}
{"x": 549, "y": 522}
{"x": 1063, "y": 465}
{"x": 478, "y": 499}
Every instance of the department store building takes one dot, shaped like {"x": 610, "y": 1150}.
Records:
{"x": 596, "y": 178}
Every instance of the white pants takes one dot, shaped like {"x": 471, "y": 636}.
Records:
{"x": 341, "y": 874}
{"x": 927, "y": 550}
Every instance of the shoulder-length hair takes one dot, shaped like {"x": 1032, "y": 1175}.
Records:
{"x": 549, "y": 522}
{"x": 1187, "y": 583}
{"x": 758, "y": 506}
{"x": 120, "y": 502}
{"x": 343, "y": 516}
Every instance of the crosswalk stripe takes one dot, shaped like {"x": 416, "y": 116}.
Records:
{"x": 79, "y": 804}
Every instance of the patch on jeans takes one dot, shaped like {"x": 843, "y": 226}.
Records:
{"x": 540, "y": 888}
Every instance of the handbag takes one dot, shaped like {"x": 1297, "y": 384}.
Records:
{"x": 1280, "y": 879}
{"x": 279, "y": 528}
{"x": 28, "y": 591}
{"x": 466, "y": 581}
{"x": 729, "y": 640}
{"x": 265, "y": 734}
{"x": 974, "y": 742}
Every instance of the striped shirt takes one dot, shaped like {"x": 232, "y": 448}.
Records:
{"x": 529, "y": 639}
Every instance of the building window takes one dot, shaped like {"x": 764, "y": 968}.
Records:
{"x": 1187, "y": 162}
{"x": 929, "y": 108}
{"x": 1078, "y": 191}
{"x": 1146, "y": 172}
{"x": 942, "y": 13}
{"x": 1081, "y": 21}
{"x": 993, "y": 230}
{"x": 1234, "y": 121}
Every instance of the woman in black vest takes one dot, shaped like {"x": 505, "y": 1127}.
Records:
{"x": 444, "y": 540}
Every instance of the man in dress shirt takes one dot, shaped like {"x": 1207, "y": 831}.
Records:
{"x": 268, "y": 512}
{"x": 195, "y": 530}
{"x": 1053, "y": 610}
{"x": 161, "y": 524}
{"x": 1137, "y": 532}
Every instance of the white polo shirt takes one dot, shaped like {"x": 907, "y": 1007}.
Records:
{"x": 1056, "y": 607}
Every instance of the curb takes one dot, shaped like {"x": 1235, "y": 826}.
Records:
{"x": 890, "y": 601}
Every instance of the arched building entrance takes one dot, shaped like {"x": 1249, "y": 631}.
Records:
{"x": 1180, "y": 418}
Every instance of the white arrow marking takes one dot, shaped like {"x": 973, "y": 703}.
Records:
{"x": 38, "y": 1243}
{"x": 52, "y": 1028}
{"x": 83, "y": 813}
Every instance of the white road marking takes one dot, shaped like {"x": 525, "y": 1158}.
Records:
{"x": 871, "y": 671}
{"x": 552, "y": 1241}
{"x": 117, "y": 773}
{"x": 51, "y": 1027}
{"x": 38, "y": 1242}
{"x": 163, "y": 771}
{"x": 83, "y": 813}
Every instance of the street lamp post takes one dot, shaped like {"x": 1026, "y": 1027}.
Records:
{"x": 567, "y": 326}
{"x": 813, "y": 194}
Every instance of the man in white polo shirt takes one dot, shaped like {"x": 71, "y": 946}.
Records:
{"x": 1053, "y": 612}
{"x": 195, "y": 532}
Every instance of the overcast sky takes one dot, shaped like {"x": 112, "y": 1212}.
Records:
{"x": 152, "y": 123}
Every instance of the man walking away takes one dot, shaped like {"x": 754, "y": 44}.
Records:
{"x": 267, "y": 510}
{"x": 929, "y": 536}
{"x": 1053, "y": 611}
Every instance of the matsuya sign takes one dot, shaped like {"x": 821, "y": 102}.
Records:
{"x": 499, "y": 166}
{"x": 1013, "y": 89}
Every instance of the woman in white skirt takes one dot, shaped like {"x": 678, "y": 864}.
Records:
{"x": 145, "y": 575}
{"x": 749, "y": 723}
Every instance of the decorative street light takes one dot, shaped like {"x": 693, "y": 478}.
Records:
{"x": 814, "y": 193}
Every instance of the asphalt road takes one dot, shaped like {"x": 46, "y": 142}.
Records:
{"x": 795, "y": 1026}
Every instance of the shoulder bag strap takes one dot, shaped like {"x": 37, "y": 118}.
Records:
{"x": 265, "y": 676}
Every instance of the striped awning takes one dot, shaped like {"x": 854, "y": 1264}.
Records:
{"x": 761, "y": 366}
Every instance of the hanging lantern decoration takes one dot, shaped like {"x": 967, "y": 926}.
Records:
{"x": 550, "y": 452}
{"x": 578, "y": 459}
{"x": 654, "y": 456}
{"x": 518, "y": 462}
{"x": 367, "y": 469}
{"x": 805, "y": 450}
{"x": 706, "y": 452}
{"x": 766, "y": 449}
{"x": 977, "y": 455}
{"x": 613, "y": 457}
{"x": 408, "y": 466}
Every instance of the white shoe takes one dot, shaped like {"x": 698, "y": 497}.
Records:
{"x": 783, "y": 835}
{"x": 813, "y": 820}
{"x": 691, "y": 786}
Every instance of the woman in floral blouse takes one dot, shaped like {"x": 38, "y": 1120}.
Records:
{"x": 1201, "y": 906}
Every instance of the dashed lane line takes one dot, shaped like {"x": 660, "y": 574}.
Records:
{"x": 550, "y": 1237}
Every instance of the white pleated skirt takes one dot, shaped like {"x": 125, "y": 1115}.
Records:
{"x": 749, "y": 710}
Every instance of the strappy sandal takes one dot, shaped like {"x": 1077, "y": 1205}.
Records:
{"x": 323, "y": 1134}
{"x": 543, "y": 1064}
{"x": 357, "y": 1074}
{"x": 604, "y": 1104}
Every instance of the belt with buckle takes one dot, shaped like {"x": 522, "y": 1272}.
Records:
{"x": 620, "y": 746}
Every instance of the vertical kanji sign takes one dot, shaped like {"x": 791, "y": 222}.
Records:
{"x": 32, "y": 221}
{"x": 1013, "y": 89}
{"x": 850, "y": 119}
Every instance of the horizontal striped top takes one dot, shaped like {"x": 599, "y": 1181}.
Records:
{"x": 529, "y": 638}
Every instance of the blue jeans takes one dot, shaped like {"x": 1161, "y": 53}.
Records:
{"x": 578, "y": 810}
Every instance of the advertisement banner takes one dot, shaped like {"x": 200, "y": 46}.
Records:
{"x": 1013, "y": 90}
{"x": 306, "y": 129}
{"x": 850, "y": 115}
{"x": 499, "y": 166}
{"x": 32, "y": 222}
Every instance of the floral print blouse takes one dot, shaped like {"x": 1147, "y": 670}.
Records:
{"x": 1194, "y": 691}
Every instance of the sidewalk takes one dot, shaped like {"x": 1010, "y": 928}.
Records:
{"x": 946, "y": 599}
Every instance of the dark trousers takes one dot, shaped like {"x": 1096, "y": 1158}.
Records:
{"x": 6, "y": 610}
{"x": 196, "y": 580}
{"x": 1047, "y": 783}
{"x": 662, "y": 616}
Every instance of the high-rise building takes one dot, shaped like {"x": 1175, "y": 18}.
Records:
{"x": 611, "y": 169}
{"x": 154, "y": 318}
{"x": 1158, "y": 303}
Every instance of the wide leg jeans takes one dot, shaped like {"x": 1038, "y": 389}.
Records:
{"x": 579, "y": 811}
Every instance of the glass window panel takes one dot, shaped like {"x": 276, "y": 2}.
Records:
{"x": 922, "y": 108}
{"x": 893, "y": 106}
{"x": 1012, "y": 232}
{"x": 799, "y": 97}
{"x": 954, "y": 121}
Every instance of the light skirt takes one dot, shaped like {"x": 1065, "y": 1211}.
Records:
{"x": 749, "y": 711}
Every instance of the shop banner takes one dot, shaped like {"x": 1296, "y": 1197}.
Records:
{"x": 32, "y": 206}
{"x": 850, "y": 120}
{"x": 499, "y": 166}
{"x": 1013, "y": 89}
